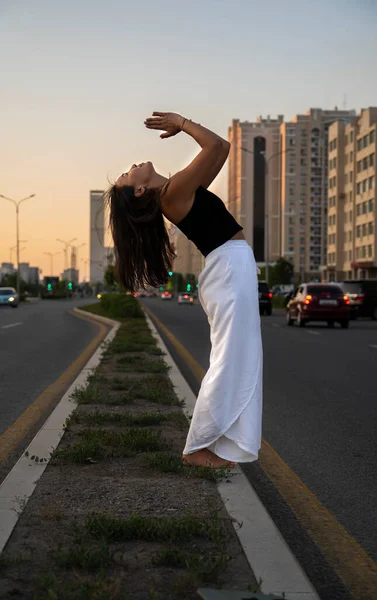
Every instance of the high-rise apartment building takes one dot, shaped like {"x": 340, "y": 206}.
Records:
{"x": 352, "y": 215}
{"x": 253, "y": 197}
{"x": 189, "y": 259}
{"x": 97, "y": 237}
{"x": 304, "y": 184}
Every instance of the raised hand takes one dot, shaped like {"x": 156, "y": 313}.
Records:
{"x": 171, "y": 123}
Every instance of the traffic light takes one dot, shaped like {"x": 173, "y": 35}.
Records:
{"x": 49, "y": 287}
{"x": 197, "y": 286}
{"x": 188, "y": 287}
{"x": 161, "y": 288}
{"x": 70, "y": 286}
{"x": 170, "y": 273}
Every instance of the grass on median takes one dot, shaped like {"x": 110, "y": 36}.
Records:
{"x": 139, "y": 364}
{"x": 154, "y": 529}
{"x": 127, "y": 419}
{"x": 99, "y": 444}
{"x": 158, "y": 389}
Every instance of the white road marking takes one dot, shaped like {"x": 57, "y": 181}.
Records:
{"x": 373, "y": 345}
{"x": 11, "y": 325}
{"x": 313, "y": 332}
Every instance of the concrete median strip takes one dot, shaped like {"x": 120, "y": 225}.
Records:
{"x": 266, "y": 551}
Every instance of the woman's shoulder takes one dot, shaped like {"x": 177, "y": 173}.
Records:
{"x": 176, "y": 209}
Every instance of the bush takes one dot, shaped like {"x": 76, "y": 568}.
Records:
{"x": 121, "y": 306}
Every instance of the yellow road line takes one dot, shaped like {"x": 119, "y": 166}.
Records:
{"x": 353, "y": 565}
{"x": 14, "y": 435}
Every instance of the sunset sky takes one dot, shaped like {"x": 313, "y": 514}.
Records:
{"x": 78, "y": 78}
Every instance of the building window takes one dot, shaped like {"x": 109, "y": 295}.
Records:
{"x": 371, "y": 160}
{"x": 370, "y": 205}
{"x": 357, "y": 252}
{"x": 358, "y": 188}
{"x": 359, "y": 145}
{"x": 365, "y": 163}
{"x": 371, "y": 183}
{"x": 363, "y": 252}
{"x": 371, "y": 137}
{"x": 364, "y": 229}
{"x": 358, "y": 166}
{"x": 351, "y": 136}
{"x": 358, "y": 211}
{"x": 358, "y": 231}
{"x": 350, "y": 197}
{"x": 351, "y": 213}
{"x": 365, "y": 183}
{"x": 365, "y": 141}
{"x": 364, "y": 208}
{"x": 370, "y": 228}
{"x": 370, "y": 250}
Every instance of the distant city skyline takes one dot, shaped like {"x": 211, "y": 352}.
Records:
{"x": 77, "y": 84}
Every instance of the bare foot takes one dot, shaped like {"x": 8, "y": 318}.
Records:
{"x": 206, "y": 458}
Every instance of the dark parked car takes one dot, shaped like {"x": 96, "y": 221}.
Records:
{"x": 319, "y": 302}
{"x": 265, "y": 298}
{"x": 363, "y": 297}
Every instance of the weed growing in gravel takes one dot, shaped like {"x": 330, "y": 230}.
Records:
{"x": 127, "y": 419}
{"x": 137, "y": 440}
{"x": 156, "y": 389}
{"x": 84, "y": 555}
{"x": 208, "y": 567}
{"x": 12, "y": 560}
{"x": 140, "y": 364}
{"x": 85, "y": 395}
{"x": 122, "y": 346}
{"x": 154, "y": 529}
{"x": 50, "y": 587}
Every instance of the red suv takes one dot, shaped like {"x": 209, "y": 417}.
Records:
{"x": 319, "y": 302}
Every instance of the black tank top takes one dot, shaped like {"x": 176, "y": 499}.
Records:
{"x": 208, "y": 224}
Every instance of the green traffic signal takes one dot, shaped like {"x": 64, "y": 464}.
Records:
{"x": 49, "y": 287}
{"x": 70, "y": 286}
{"x": 170, "y": 273}
{"x": 161, "y": 288}
{"x": 188, "y": 287}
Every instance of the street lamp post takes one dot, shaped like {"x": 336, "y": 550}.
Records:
{"x": 17, "y": 205}
{"x": 66, "y": 244}
{"x": 266, "y": 219}
{"x": 51, "y": 255}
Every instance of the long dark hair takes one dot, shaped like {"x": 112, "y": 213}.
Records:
{"x": 142, "y": 249}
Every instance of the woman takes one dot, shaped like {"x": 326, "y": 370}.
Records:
{"x": 226, "y": 424}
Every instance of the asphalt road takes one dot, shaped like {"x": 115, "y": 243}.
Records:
{"x": 320, "y": 416}
{"x": 38, "y": 341}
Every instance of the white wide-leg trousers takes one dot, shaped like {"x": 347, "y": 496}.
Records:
{"x": 227, "y": 418}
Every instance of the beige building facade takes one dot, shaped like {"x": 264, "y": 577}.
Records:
{"x": 352, "y": 216}
{"x": 254, "y": 183}
{"x": 303, "y": 211}
{"x": 189, "y": 259}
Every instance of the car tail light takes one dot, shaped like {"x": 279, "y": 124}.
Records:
{"x": 270, "y": 294}
{"x": 359, "y": 297}
{"x": 346, "y": 300}
{"x": 308, "y": 299}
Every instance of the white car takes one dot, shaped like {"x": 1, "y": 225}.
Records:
{"x": 9, "y": 297}
{"x": 185, "y": 298}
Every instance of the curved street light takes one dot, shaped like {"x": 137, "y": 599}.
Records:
{"x": 17, "y": 205}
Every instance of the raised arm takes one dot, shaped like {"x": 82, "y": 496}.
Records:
{"x": 205, "y": 166}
